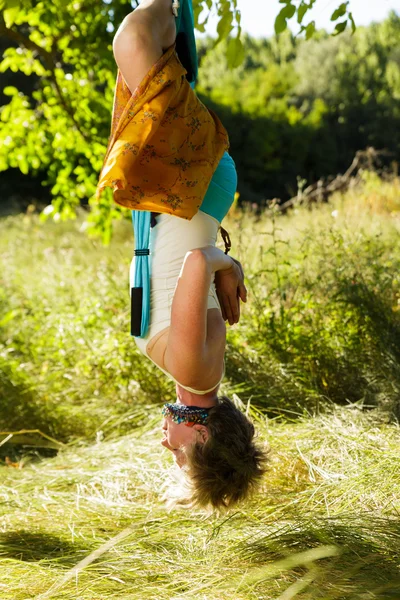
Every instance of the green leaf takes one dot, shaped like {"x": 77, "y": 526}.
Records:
{"x": 10, "y": 90}
{"x": 24, "y": 165}
{"x": 340, "y": 27}
{"x": 287, "y": 12}
{"x": 10, "y": 14}
{"x": 280, "y": 24}
{"x": 353, "y": 24}
{"x": 5, "y": 112}
{"x": 235, "y": 52}
{"x": 310, "y": 30}
{"x": 225, "y": 26}
{"x": 339, "y": 12}
{"x": 301, "y": 11}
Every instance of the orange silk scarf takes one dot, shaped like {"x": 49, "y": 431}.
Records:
{"x": 164, "y": 145}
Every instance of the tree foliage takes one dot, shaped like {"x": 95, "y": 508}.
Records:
{"x": 62, "y": 127}
{"x": 229, "y": 18}
{"x": 301, "y": 109}
{"x": 56, "y": 127}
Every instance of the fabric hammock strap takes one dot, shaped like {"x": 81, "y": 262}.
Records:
{"x": 140, "y": 291}
{"x": 226, "y": 238}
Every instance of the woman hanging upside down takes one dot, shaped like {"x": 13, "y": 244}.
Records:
{"x": 194, "y": 289}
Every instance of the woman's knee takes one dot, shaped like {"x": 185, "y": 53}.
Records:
{"x": 136, "y": 48}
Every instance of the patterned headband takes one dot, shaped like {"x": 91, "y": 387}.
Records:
{"x": 190, "y": 415}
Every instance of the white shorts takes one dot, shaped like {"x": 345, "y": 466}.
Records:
{"x": 170, "y": 240}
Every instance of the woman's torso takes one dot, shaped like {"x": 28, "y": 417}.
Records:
{"x": 168, "y": 247}
{"x": 171, "y": 238}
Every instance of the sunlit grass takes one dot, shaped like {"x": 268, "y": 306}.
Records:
{"x": 321, "y": 324}
{"x": 333, "y": 486}
{"x": 315, "y": 358}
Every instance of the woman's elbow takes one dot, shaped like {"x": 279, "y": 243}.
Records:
{"x": 197, "y": 255}
{"x": 196, "y": 261}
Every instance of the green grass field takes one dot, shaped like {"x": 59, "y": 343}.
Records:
{"x": 315, "y": 360}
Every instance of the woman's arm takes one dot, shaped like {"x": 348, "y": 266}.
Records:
{"x": 136, "y": 48}
{"x": 186, "y": 347}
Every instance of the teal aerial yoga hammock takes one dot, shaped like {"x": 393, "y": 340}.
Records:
{"x": 216, "y": 202}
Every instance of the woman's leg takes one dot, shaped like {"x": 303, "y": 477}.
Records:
{"x": 142, "y": 38}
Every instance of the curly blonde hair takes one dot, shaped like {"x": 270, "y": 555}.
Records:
{"x": 229, "y": 465}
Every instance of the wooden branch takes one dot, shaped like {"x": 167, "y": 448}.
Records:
{"x": 321, "y": 190}
{"x": 30, "y": 437}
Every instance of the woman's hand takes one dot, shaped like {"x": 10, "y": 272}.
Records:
{"x": 230, "y": 287}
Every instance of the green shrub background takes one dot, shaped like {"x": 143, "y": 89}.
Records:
{"x": 87, "y": 493}
{"x": 295, "y": 109}
{"x": 321, "y": 325}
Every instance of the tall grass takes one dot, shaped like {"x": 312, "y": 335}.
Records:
{"x": 322, "y": 324}
{"x": 315, "y": 362}
{"x": 324, "y": 525}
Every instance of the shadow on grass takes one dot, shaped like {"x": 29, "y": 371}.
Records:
{"x": 367, "y": 565}
{"x": 28, "y": 546}
{"x": 20, "y": 407}
{"x": 296, "y": 366}
{"x": 383, "y": 325}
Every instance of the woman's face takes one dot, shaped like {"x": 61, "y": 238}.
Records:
{"x": 178, "y": 437}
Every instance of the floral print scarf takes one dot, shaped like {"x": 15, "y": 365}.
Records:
{"x": 164, "y": 146}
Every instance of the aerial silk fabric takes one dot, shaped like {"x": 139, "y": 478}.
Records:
{"x": 185, "y": 25}
{"x": 165, "y": 144}
{"x": 140, "y": 319}
{"x": 163, "y": 151}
